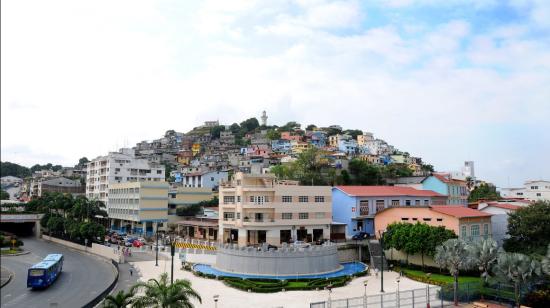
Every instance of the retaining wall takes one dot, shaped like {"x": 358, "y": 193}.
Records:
{"x": 96, "y": 249}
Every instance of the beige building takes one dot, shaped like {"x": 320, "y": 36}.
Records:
{"x": 186, "y": 196}
{"x": 363, "y": 139}
{"x": 138, "y": 207}
{"x": 257, "y": 208}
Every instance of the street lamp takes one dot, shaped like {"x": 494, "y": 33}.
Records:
{"x": 216, "y": 297}
{"x": 381, "y": 260}
{"x": 329, "y": 288}
{"x": 172, "y": 253}
{"x": 365, "y": 295}
{"x": 397, "y": 281}
{"x": 428, "y": 290}
{"x": 157, "y": 250}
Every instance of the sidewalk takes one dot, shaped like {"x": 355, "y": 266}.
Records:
{"x": 5, "y": 276}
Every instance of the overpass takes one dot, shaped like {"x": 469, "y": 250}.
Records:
{"x": 17, "y": 223}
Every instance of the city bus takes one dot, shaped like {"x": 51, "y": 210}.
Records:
{"x": 43, "y": 274}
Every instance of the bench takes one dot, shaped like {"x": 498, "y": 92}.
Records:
{"x": 480, "y": 305}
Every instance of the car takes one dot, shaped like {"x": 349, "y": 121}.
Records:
{"x": 360, "y": 236}
{"x": 137, "y": 243}
{"x": 300, "y": 244}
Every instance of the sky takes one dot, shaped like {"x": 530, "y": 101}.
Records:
{"x": 448, "y": 81}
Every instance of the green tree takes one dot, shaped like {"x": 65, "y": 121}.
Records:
{"x": 189, "y": 210}
{"x": 518, "y": 269}
{"x": 212, "y": 202}
{"x": 120, "y": 300}
{"x": 484, "y": 191}
{"x": 160, "y": 293}
{"x": 453, "y": 255}
{"x": 56, "y": 224}
{"x": 353, "y": 133}
{"x": 396, "y": 170}
{"x": 82, "y": 162}
{"x": 273, "y": 135}
{"x": 483, "y": 254}
{"x": 216, "y": 130}
{"x": 364, "y": 173}
{"x": 427, "y": 167}
{"x": 249, "y": 125}
{"x": 290, "y": 126}
{"x": 311, "y": 127}
{"x": 7, "y": 169}
{"x": 546, "y": 262}
{"x": 529, "y": 228}
{"x": 4, "y": 195}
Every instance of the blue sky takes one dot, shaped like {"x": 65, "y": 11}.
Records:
{"x": 445, "y": 80}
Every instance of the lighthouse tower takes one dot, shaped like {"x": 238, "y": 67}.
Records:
{"x": 264, "y": 119}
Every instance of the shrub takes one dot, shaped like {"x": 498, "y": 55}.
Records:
{"x": 539, "y": 298}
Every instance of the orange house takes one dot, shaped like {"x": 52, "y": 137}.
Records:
{"x": 467, "y": 223}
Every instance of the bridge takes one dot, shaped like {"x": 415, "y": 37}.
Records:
{"x": 21, "y": 223}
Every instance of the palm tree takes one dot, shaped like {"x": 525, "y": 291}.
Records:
{"x": 453, "y": 255}
{"x": 120, "y": 299}
{"x": 160, "y": 293}
{"x": 483, "y": 254}
{"x": 516, "y": 268}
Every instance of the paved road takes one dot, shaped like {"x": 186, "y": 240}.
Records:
{"x": 125, "y": 280}
{"x": 83, "y": 278}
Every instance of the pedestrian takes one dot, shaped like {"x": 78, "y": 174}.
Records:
{"x": 131, "y": 271}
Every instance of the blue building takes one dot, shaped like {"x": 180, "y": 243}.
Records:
{"x": 356, "y": 206}
{"x": 319, "y": 139}
{"x": 456, "y": 190}
{"x": 347, "y": 146}
{"x": 281, "y": 146}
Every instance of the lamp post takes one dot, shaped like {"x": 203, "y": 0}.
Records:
{"x": 157, "y": 250}
{"x": 329, "y": 288}
{"x": 397, "y": 281}
{"x": 428, "y": 290}
{"x": 216, "y": 297}
{"x": 365, "y": 294}
{"x": 381, "y": 261}
{"x": 172, "y": 253}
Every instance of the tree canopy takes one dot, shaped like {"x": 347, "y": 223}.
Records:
{"x": 11, "y": 169}
{"x": 4, "y": 195}
{"x": 529, "y": 229}
{"x": 484, "y": 191}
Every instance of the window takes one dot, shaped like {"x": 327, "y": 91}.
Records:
{"x": 415, "y": 219}
{"x": 212, "y": 179}
{"x": 474, "y": 230}
{"x": 379, "y": 205}
{"x": 238, "y": 215}
{"x": 303, "y": 199}
{"x": 416, "y": 202}
{"x": 463, "y": 232}
{"x": 538, "y": 194}
{"x": 303, "y": 215}
{"x": 319, "y": 198}
{"x": 486, "y": 229}
{"x": 228, "y": 199}
{"x": 287, "y": 199}
{"x": 228, "y": 215}
{"x": 427, "y": 219}
{"x": 405, "y": 219}
{"x": 364, "y": 207}
{"x": 395, "y": 202}
{"x": 159, "y": 171}
{"x": 440, "y": 219}
{"x": 407, "y": 202}
{"x": 252, "y": 199}
{"x": 286, "y": 216}
{"x": 173, "y": 196}
{"x": 319, "y": 215}
{"x": 426, "y": 202}
{"x": 239, "y": 199}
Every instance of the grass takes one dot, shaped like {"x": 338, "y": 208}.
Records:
{"x": 437, "y": 278}
{"x": 11, "y": 251}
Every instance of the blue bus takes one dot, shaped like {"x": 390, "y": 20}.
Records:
{"x": 43, "y": 274}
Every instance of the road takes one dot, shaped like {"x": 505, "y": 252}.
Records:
{"x": 83, "y": 278}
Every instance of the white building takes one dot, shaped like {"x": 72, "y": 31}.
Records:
{"x": 499, "y": 219}
{"x": 257, "y": 209}
{"x": 119, "y": 167}
{"x": 206, "y": 179}
{"x": 532, "y": 190}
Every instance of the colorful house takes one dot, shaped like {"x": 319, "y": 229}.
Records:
{"x": 456, "y": 190}
{"x": 357, "y": 206}
{"x": 468, "y": 224}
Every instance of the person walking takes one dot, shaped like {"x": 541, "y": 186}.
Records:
{"x": 131, "y": 271}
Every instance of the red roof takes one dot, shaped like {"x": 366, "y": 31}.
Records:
{"x": 387, "y": 191}
{"x": 459, "y": 211}
{"x": 506, "y": 206}
{"x": 445, "y": 179}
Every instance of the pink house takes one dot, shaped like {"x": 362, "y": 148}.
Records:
{"x": 467, "y": 223}
{"x": 289, "y": 136}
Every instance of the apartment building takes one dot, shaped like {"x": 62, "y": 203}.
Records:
{"x": 138, "y": 207}
{"x": 456, "y": 190}
{"x": 119, "y": 167}
{"x": 39, "y": 186}
{"x": 258, "y": 209}
{"x": 206, "y": 179}
{"x": 531, "y": 190}
{"x": 356, "y": 206}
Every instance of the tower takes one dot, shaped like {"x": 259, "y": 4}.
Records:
{"x": 264, "y": 119}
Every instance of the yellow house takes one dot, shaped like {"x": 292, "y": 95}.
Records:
{"x": 196, "y": 149}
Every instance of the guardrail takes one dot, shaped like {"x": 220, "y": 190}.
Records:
{"x": 103, "y": 294}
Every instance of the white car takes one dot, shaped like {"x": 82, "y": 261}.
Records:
{"x": 301, "y": 244}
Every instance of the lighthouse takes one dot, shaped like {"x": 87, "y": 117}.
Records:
{"x": 264, "y": 119}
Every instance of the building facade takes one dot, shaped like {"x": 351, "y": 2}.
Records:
{"x": 39, "y": 186}
{"x": 257, "y": 209}
{"x": 456, "y": 190}
{"x": 468, "y": 224}
{"x": 356, "y": 206}
{"x": 531, "y": 190}
{"x": 138, "y": 207}
{"x": 119, "y": 167}
{"x": 204, "y": 179}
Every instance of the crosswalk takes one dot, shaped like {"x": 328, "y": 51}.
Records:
{"x": 194, "y": 246}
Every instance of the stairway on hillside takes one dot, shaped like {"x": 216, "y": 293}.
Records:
{"x": 376, "y": 257}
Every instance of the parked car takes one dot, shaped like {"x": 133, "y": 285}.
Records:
{"x": 300, "y": 244}
{"x": 361, "y": 236}
{"x": 137, "y": 243}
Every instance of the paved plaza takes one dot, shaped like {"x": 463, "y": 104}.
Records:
{"x": 230, "y": 297}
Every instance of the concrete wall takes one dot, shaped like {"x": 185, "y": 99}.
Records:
{"x": 396, "y": 255}
{"x": 284, "y": 261}
{"x": 100, "y": 250}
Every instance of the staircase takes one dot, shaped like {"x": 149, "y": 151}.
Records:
{"x": 376, "y": 257}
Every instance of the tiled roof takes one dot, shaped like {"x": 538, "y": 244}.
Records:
{"x": 506, "y": 206}
{"x": 459, "y": 211}
{"x": 444, "y": 179}
{"x": 386, "y": 191}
